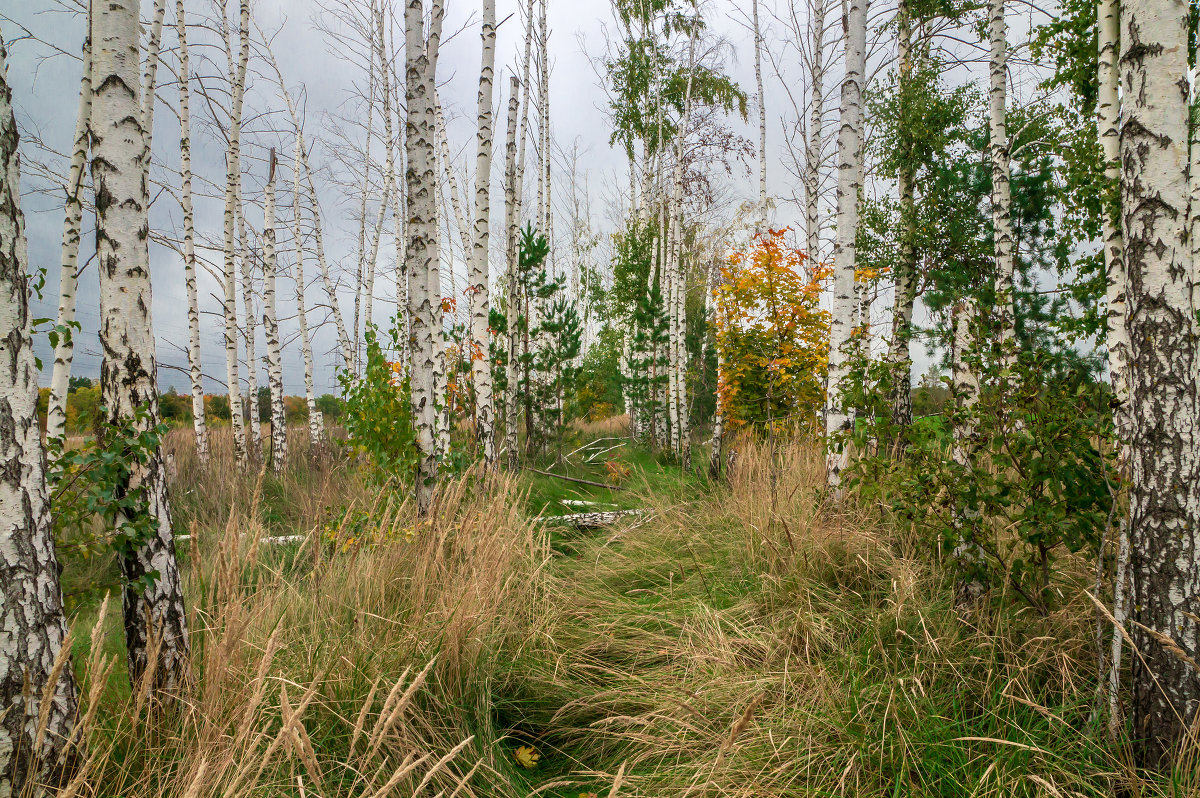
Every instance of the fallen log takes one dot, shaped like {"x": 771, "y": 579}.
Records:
{"x": 591, "y": 520}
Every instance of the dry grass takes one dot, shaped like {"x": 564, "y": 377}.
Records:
{"x": 741, "y": 642}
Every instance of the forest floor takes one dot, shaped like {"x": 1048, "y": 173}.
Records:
{"x": 733, "y": 640}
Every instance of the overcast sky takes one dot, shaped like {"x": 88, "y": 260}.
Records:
{"x": 45, "y": 85}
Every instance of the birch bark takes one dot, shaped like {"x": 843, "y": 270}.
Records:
{"x": 1164, "y": 508}
{"x": 237, "y": 78}
{"x": 36, "y": 678}
{"x": 421, "y": 252}
{"x": 481, "y": 365}
{"x": 64, "y": 350}
{"x": 838, "y": 419}
{"x": 512, "y": 210}
{"x": 279, "y": 439}
{"x": 155, "y": 621}
{"x": 815, "y": 146}
{"x": 199, "y": 422}
{"x": 1002, "y": 229}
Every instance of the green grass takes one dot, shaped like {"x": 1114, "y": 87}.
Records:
{"x": 727, "y": 645}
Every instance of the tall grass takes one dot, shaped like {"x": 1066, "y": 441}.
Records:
{"x": 746, "y": 640}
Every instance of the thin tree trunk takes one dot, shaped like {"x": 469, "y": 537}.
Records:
{"x": 389, "y": 176}
{"x": 232, "y": 170}
{"x": 271, "y": 327}
{"x": 246, "y": 256}
{"x": 899, "y": 350}
{"x": 421, "y": 181}
{"x": 512, "y": 304}
{"x": 763, "y": 210}
{"x": 1001, "y": 191}
{"x": 155, "y": 621}
{"x": 1116, "y": 339}
{"x": 36, "y": 678}
{"x": 838, "y": 419}
{"x": 199, "y": 421}
{"x": 1164, "y": 508}
{"x": 815, "y": 146}
{"x": 64, "y": 349}
{"x": 364, "y": 192}
{"x": 480, "y": 337}
{"x": 968, "y": 556}
{"x": 310, "y": 396}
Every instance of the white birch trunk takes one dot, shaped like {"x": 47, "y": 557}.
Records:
{"x": 35, "y": 665}
{"x": 196, "y": 379}
{"x": 421, "y": 180}
{"x": 814, "y": 149}
{"x": 965, "y": 386}
{"x": 512, "y": 304}
{"x": 237, "y": 79}
{"x": 1002, "y": 230}
{"x": 155, "y": 621}
{"x": 481, "y": 365}
{"x": 364, "y": 192}
{"x": 899, "y": 348}
{"x": 763, "y": 210}
{"x": 279, "y": 439}
{"x": 1164, "y": 508}
{"x": 310, "y": 395}
{"x": 246, "y": 256}
{"x": 838, "y": 420}
{"x": 64, "y": 350}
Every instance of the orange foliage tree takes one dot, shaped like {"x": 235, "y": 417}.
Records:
{"x": 772, "y": 334}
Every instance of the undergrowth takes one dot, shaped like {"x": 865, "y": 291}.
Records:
{"x": 742, "y": 639}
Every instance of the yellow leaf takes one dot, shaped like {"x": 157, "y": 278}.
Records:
{"x": 527, "y": 756}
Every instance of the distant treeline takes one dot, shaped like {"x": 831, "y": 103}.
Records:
{"x": 83, "y": 403}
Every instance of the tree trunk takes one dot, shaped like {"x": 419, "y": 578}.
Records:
{"x": 512, "y": 374}
{"x": 838, "y": 419}
{"x": 237, "y": 78}
{"x": 155, "y": 621}
{"x": 199, "y": 422}
{"x": 68, "y": 276}
{"x": 364, "y": 192}
{"x": 1116, "y": 339}
{"x": 35, "y": 662}
{"x": 899, "y": 350}
{"x": 1001, "y": 192}
{"x": 246, "y": 256}
{"x": 967, "y": 555}
{"x": 1164, "y": 508}
{"x": 815, "y": 147}
{"x": 279, "y": 439}
{"x": 762, "y": 120}
{"x": 480, "y": 338}
{"x": 421, "y": 180}
{"x": 310, "y": 396}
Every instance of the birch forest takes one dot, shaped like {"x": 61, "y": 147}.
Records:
{"x": 580, "y": 398}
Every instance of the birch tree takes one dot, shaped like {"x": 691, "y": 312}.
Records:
{"x": 481, "y": 366}
{"x": 815, "y": 146}
{"x": 310, "y": 395}
{"x": 271, "y": 326}
{"x": 195, "y": 376}
{"x": 1001, "y": 192}
{"x": 1164, "y": 449}
{"x": 421, "y": 180}
{"x": 237, "y": 77}
{"x": 68, "y": 279}
{"x": 512, "y": 304}
{"x": 899, "y": 352}
{"x": 155, "y": 621}
{"x": 837, "y": 415}
{"x": 762, "y": 121}
{"x": 1116, "y": 340}
{"x": 36, "y": 678}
